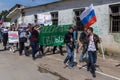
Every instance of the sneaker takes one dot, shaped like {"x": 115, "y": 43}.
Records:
{"x": 94, "y": 75}
{"x": 65, "y": 65}
{"x": 13, "y": 50}
{"x": 10, "y": 49}
{"x": 34, "y": 58}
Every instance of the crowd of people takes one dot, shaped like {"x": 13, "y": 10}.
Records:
{"x": 88, "y": 41}
{"x": 28, "y": 38}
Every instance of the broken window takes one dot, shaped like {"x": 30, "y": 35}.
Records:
{"x": 35, "y": 20}
{"x": 54, "y": 18}
{"x": 115, "y": 18}
{"x": 78, "y": 23}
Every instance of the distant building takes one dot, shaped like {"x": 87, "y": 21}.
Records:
{"x": 68, "y": 11}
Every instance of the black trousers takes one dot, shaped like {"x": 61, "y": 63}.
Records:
{"x": 41, "y": 49}
{"x": 60, "y": 47}
{"x": 5, "y": 39}
{"x": 21, "y": 47}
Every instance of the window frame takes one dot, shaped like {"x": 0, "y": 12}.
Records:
{"x": 78, "y": 23}
{"x": 54, "y": 16}
{"x": 114, "y": 12}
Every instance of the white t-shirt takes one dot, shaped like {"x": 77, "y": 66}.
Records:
{"x": 22, "y": 33}
{"x": 91, "y": 46}
{"x": 4, "y": 30}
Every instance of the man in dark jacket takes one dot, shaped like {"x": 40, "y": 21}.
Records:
{"x": 70, "y": 48}
{"x": 34, "y": 41}
{"x": 92, "y": 48}
{"x": 83, "y": 41}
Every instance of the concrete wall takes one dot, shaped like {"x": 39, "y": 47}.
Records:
{"x": 66, "y": 17}
{"x": 29, "y": 19}
{"x": 111, "y": 41}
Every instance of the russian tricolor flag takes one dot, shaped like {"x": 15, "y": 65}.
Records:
{"x": 88, "y": 17}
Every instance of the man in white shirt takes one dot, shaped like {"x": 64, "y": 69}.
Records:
{"x": 92, "y": 48}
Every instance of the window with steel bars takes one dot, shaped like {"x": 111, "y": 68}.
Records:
{"x": 115, "y": 18}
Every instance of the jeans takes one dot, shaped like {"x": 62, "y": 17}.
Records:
{"x": 92, "y": 58}
{"x": 83, "y": 53}
{"x": 70, "y": 57}
{"x": 21, "y": 47}
{"x": 75, "y": 51}
{"x": 5, "y": 39}
{"x": 35, "y": 48}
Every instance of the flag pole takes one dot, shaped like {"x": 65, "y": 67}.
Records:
{"x": 103, "y": 53}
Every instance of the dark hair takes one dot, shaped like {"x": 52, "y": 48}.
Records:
{"x": 70, "y": 28}
{"x": 91, "y": 29}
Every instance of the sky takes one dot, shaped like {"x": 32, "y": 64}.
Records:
{"x": 7, "y": 4}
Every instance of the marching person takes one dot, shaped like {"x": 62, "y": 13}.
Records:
{"x": 11, "y": 45}
{"x": 68, "y": 39}
{"x": 92, "y": 48}
{"x": 5, "y": 37}
{"x": 34, "y": 41}
{"x": 75, "y": 36}
{"x": 22, "y": 39}
{"x": 83, "y": 43}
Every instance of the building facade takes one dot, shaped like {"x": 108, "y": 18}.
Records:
{"x": 68, "y": 11}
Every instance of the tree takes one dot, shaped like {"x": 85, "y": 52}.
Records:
{"x": 4, "y": 13}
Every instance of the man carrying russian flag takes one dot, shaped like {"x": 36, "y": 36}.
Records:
{"x": 91, "y": 40}
{"x": 88, "y": 17}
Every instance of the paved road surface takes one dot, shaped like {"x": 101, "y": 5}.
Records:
{"x": 50, "y": 67}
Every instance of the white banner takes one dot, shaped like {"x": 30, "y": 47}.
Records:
{"x": 44, "y": 19}
{"x": 6, "y": 24}
{"x": 13, "y": 37}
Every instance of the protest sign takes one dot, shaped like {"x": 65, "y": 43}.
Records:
{"x": 6, "y": 24}
{"x": 13, "y": 37}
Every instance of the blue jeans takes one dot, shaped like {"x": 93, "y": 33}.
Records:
{"x": 70, "y": 57}
{"x": 92, "y": 58}
{"x": 84, "y": 51}
{"x": 35, "y": 48}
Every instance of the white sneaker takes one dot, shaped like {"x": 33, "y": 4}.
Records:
{"x": 10, "y": 49}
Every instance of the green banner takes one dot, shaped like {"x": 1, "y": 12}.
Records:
{"x": 53, "y": 35}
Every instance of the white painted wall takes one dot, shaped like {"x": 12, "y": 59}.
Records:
{"x": 66, "y": 17}
{"x": 29, "y": 19}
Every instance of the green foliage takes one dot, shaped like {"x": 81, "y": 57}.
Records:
{"x": 4, "y": 13}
